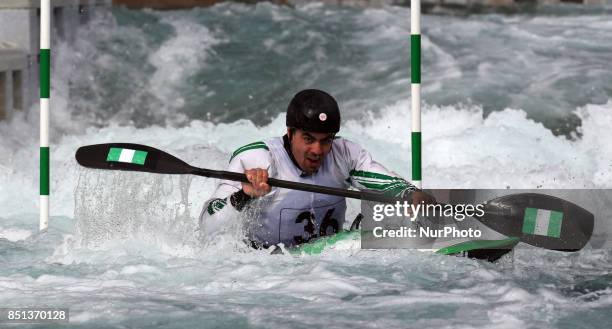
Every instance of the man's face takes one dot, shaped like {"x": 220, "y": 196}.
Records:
{"x": 309, "y": 148}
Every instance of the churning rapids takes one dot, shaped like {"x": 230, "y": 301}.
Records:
{"x": 518, "y": 101}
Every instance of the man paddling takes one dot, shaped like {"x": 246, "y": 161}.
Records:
{"x": 310, "y": 152}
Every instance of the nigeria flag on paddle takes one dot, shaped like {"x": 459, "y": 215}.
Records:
{"x": 542, "y": 222}
{"x": 116, "y": 154}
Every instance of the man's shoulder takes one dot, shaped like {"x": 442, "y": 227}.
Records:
{"x": 346, "y": 146}
{"x": 256, "y": 149}
{"x": 250, "y": 148}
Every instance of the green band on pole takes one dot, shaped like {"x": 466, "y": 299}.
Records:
{"x": 416, "y": 156}
{"x": 415, "y": 58}
{"x": 44, "y": 171}
{"x": 45, "y": 73}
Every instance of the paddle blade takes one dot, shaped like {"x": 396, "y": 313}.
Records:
{"x": 131, "y": 157}
{"x": 540, "y": 220}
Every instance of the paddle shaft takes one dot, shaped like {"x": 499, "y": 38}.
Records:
{"x": 239, "y": 177}
{"x": 360, "y": 195}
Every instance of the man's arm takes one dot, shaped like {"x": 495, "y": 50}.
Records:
{"x": 232, "y": 197}
{"x": 368, "y": 174}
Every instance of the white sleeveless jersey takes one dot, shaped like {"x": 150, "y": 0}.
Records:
{"x": 289, "y": 216}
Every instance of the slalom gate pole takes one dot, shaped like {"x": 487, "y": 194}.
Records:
{"x": 415, "y": 77}
{"x": 45, "y": 81}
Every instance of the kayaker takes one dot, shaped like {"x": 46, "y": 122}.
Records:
{"x": 310, "y": 152}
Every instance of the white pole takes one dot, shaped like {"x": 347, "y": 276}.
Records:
{"x": 45, "y": 79}
{"x": 415, "y": 75}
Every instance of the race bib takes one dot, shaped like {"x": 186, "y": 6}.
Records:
{"x": 301, "y": 225}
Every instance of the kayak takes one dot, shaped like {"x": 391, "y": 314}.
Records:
{"x": 490, "y": 250}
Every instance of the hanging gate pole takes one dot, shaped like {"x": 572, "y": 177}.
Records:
{"x": 415, "y": 75}
{"x": 45, "y": 81}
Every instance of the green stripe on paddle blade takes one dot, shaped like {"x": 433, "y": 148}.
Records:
{"x": 542, "y": 222}
{"x": 116, "y": 154}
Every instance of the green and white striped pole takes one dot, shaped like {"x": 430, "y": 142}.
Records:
{"x": 415, "y": 66}
{"x": 45, "y": 82}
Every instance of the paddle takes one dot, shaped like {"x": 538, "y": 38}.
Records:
{"x": 148, "y": 159}
{"x": 511, "y": 215}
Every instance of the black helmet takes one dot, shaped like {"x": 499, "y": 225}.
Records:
{"x": 314, "y": 110}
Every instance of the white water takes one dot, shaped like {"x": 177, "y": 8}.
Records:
{"x": 122, "y": 251}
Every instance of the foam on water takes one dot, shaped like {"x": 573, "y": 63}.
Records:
{"x": 122, "y": 248}
{"x": 146, "y": 67}
{"x": 13, "y": 235}
{"x": 120, "y": 270}
{"x": 487, "y": 152}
